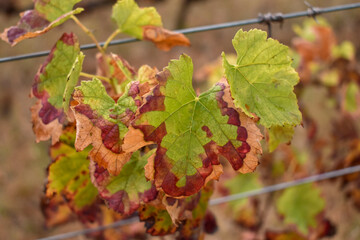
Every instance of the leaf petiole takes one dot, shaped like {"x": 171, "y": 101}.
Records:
{"x": 110, "y": 38}
{"x": 89, "y": 33}
{"x": 87, "y": 75}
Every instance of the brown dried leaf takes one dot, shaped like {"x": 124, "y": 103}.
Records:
{"x": 163, "y": 38}
{"x": 43, "y": 131}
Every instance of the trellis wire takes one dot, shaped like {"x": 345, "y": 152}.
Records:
{"x": 311, "y": 12}
{"x": 217, "y": 201}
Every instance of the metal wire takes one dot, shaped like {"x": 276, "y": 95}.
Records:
{"x": 312, "y": 13}
{"x": 92, "y": 230}
{"x": 217, "y": 201}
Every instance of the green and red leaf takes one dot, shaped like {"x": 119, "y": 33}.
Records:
{"x": 187, "y": 215}
{"x": 105, "y": 124}
{"x": 145, "y": 23}
{"x": 157, "y": 220}
{"x": 193, "y": 131}
{"x": 125, "y": 192}
{"x": 46, "y": 15}
{"x": 68, "y": 174}
{"x": 192, "y": 227}
{"x": 262, "y": 79}
{"x": 50, "y": 85}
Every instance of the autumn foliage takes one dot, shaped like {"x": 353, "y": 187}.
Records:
{"x": 128, "y": 141}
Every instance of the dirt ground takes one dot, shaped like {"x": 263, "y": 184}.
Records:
{"x": 23, "y": 162}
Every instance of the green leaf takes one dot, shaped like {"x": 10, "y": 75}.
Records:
{"x": 278, "y": 135}
{"x": 242, "y": 183}
{"x": 132, "y": 178}
{"x": 262, "y": 80}
{"x": 125, "y": 192}
{"x": 46, "y": 15}
{"x": 307, "y": 30}
{"x": 131, "y": 19}
{"x": 69, "y": 172}
{"x": 344, "y": 50}
{"x": 72, "y": 80}
{"x": 52, "y": 76}
{"x": 105, "y": 124}
{"x": 192, "y": 131}
{"x": 53, "y": 9}
{"x": 300, "y": 206}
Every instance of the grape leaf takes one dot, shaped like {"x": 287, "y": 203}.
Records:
{"x": 242, "y": 183}
{"x": 121, "y": 73}
{"x": 68, "y": 174}
{"x": 278, "y": 134}
{"x": 164, "y": 39}
{"x": 344, "y": 50}
{"x": 262, "y": 80}
{"x": 191, "y": 228}
{"x": 191, "y": 132}
{"x": 117, "y": 69}
{"x": 105, "y": 124}
{"x": 190, "y": 211}
{"x": 55, "y": 210}
{"x": 300, "y": 205}
{"x": 316, "y": 41}
{"x": 53, "y": 9}
{"x": 49, "y": 86}
{"x": 315, "y": 44}
{"x": 157, "y": 220}
{"x": 244, "y": 211}
{"x": 125, "y": 192}
{"x": 46, "y": 15}
{"x": 145, "y": 23}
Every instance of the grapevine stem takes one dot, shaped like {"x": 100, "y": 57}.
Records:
{"x": 89, "y": 33}
{"x": 110, "y": 38}
{"x": 87, "y": 75}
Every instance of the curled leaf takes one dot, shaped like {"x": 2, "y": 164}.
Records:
{"x": 72, "y": 80}
{"x": 46, "y": 15}
{"x": 50, "y": 85}
{"x": 163, "y": 38}
{"x": 192, "y": 131}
